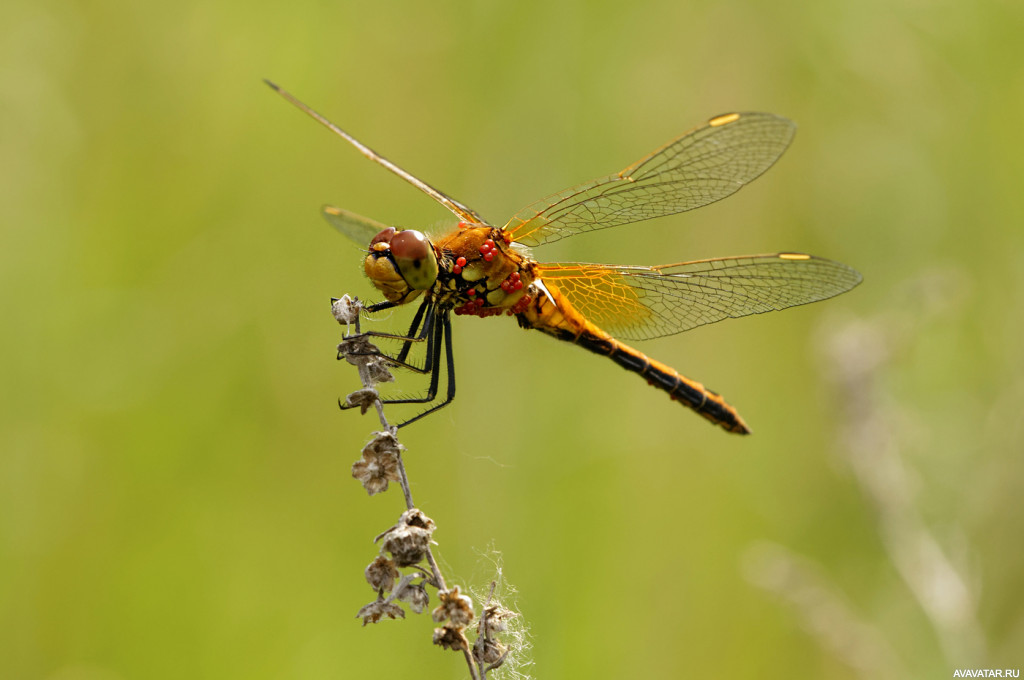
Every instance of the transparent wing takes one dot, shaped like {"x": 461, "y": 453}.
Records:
{"x": 703, "y": 166}
{"x": 356, "y": 227}
{"x": 462, "y": 212}
{"x": 637, "y": 303}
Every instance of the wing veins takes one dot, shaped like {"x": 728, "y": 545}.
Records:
{"x": 645, "y": 302}
{"x": 701, "y": 167}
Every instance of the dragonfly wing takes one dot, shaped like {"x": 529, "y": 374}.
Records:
{"x": 462, "y": 212}
{"x": 637, "y": 303}
{"x": 356, "y": 227}
{"x": 703, "y": 166}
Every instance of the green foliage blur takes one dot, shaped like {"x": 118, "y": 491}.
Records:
{"x": 175, "y": 490}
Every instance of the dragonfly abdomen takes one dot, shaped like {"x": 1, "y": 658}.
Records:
{"x": 550, "y": 312}
{"x": 689, "y": 393}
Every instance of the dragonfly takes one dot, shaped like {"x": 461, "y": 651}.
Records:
{"x": 478, "y": 269}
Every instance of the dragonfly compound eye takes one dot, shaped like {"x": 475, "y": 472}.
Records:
{"x": 383, "y": 237}
{"x": 414, "y": 257}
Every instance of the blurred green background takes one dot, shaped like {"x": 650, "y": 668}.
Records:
{"x": 175, "y": 498}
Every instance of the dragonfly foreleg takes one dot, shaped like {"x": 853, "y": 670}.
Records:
{"x": 420, "y": 330}
{"x": 442, "y": 335}
{"x": 446, "y": 325}
{"x": 425, "y": 309}
{"x": 428, "y": 324}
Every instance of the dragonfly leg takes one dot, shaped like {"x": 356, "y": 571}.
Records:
{"x": 446, "y": 325}
{"x": 425, "y": 309}
{"x": 441, "y": 332}
{"x": 433, "y": 364}
{"x": 380, "y": 306}
{"x": 417, "y": 333}
{"x": 437, "y": 331}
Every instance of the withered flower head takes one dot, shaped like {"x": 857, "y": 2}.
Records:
{"x": 375, "y": 611}
{"x": 377, "y": 371}
{"x": 364, "y": 399}
{"x": 495, "y": 620}
{"x": 414, "y": 517}
{"x": 489, "y": 652}
{"x": 356, "y": 349}
{"x": 451, "y": 638}
{"x": 379, "y": 463}
{"x": 415, "y": 596}
{"x": 345, "y": 309}
{"x": 381, "y": 574}
{"x": 455, "y": 607}
{"x": 408, "y": 540}
{"x": 359, "y": 351}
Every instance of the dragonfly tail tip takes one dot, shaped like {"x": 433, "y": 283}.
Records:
{"x": 739, "y": 427}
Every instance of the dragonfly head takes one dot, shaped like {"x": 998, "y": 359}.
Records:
{"x": 401, "y": 264}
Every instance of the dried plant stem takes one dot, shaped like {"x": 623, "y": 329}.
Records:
{"x": 484, "y": 632}
{"x": 403, "y": 481}
{"x": 346, "y": 311}
{"x": 481, "y": 675}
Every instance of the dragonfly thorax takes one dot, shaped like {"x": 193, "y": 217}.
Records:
{"x": 480, "y": 274}
{"x": 401, "y": 264}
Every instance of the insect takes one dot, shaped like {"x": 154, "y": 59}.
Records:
{"x": 477, "y": 269}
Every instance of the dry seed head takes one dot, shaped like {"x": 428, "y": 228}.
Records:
{"x": 356, "y": 348}
{"x": 346, "y": 309}
{"x": 408, "y": 540}
{"x": 407, "y": 546}
{"x": 451, "y": 638}
{"x": 415, "y": 596}
{"x": 364, "y": 399}
{"x": 359, "y": 351}
{"x": 495, "y": 620}
{"x": 379, "y": 463}
{"x": 375, "y": 611}
{"x": 500, "y": 631}
{"x": 383, "y": 443}
{"x": 381, "y": 574}
{"x": 455, "y": 607}
{"x": 377, "y": 370}
{"x": 414, "y": 517}
{"x": 489, "y": 652}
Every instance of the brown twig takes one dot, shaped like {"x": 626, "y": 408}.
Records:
{"x": 373, "y": 369}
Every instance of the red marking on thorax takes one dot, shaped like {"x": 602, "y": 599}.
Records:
{"x": 484, "y": 250}
{"x": 520, "y": 307}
